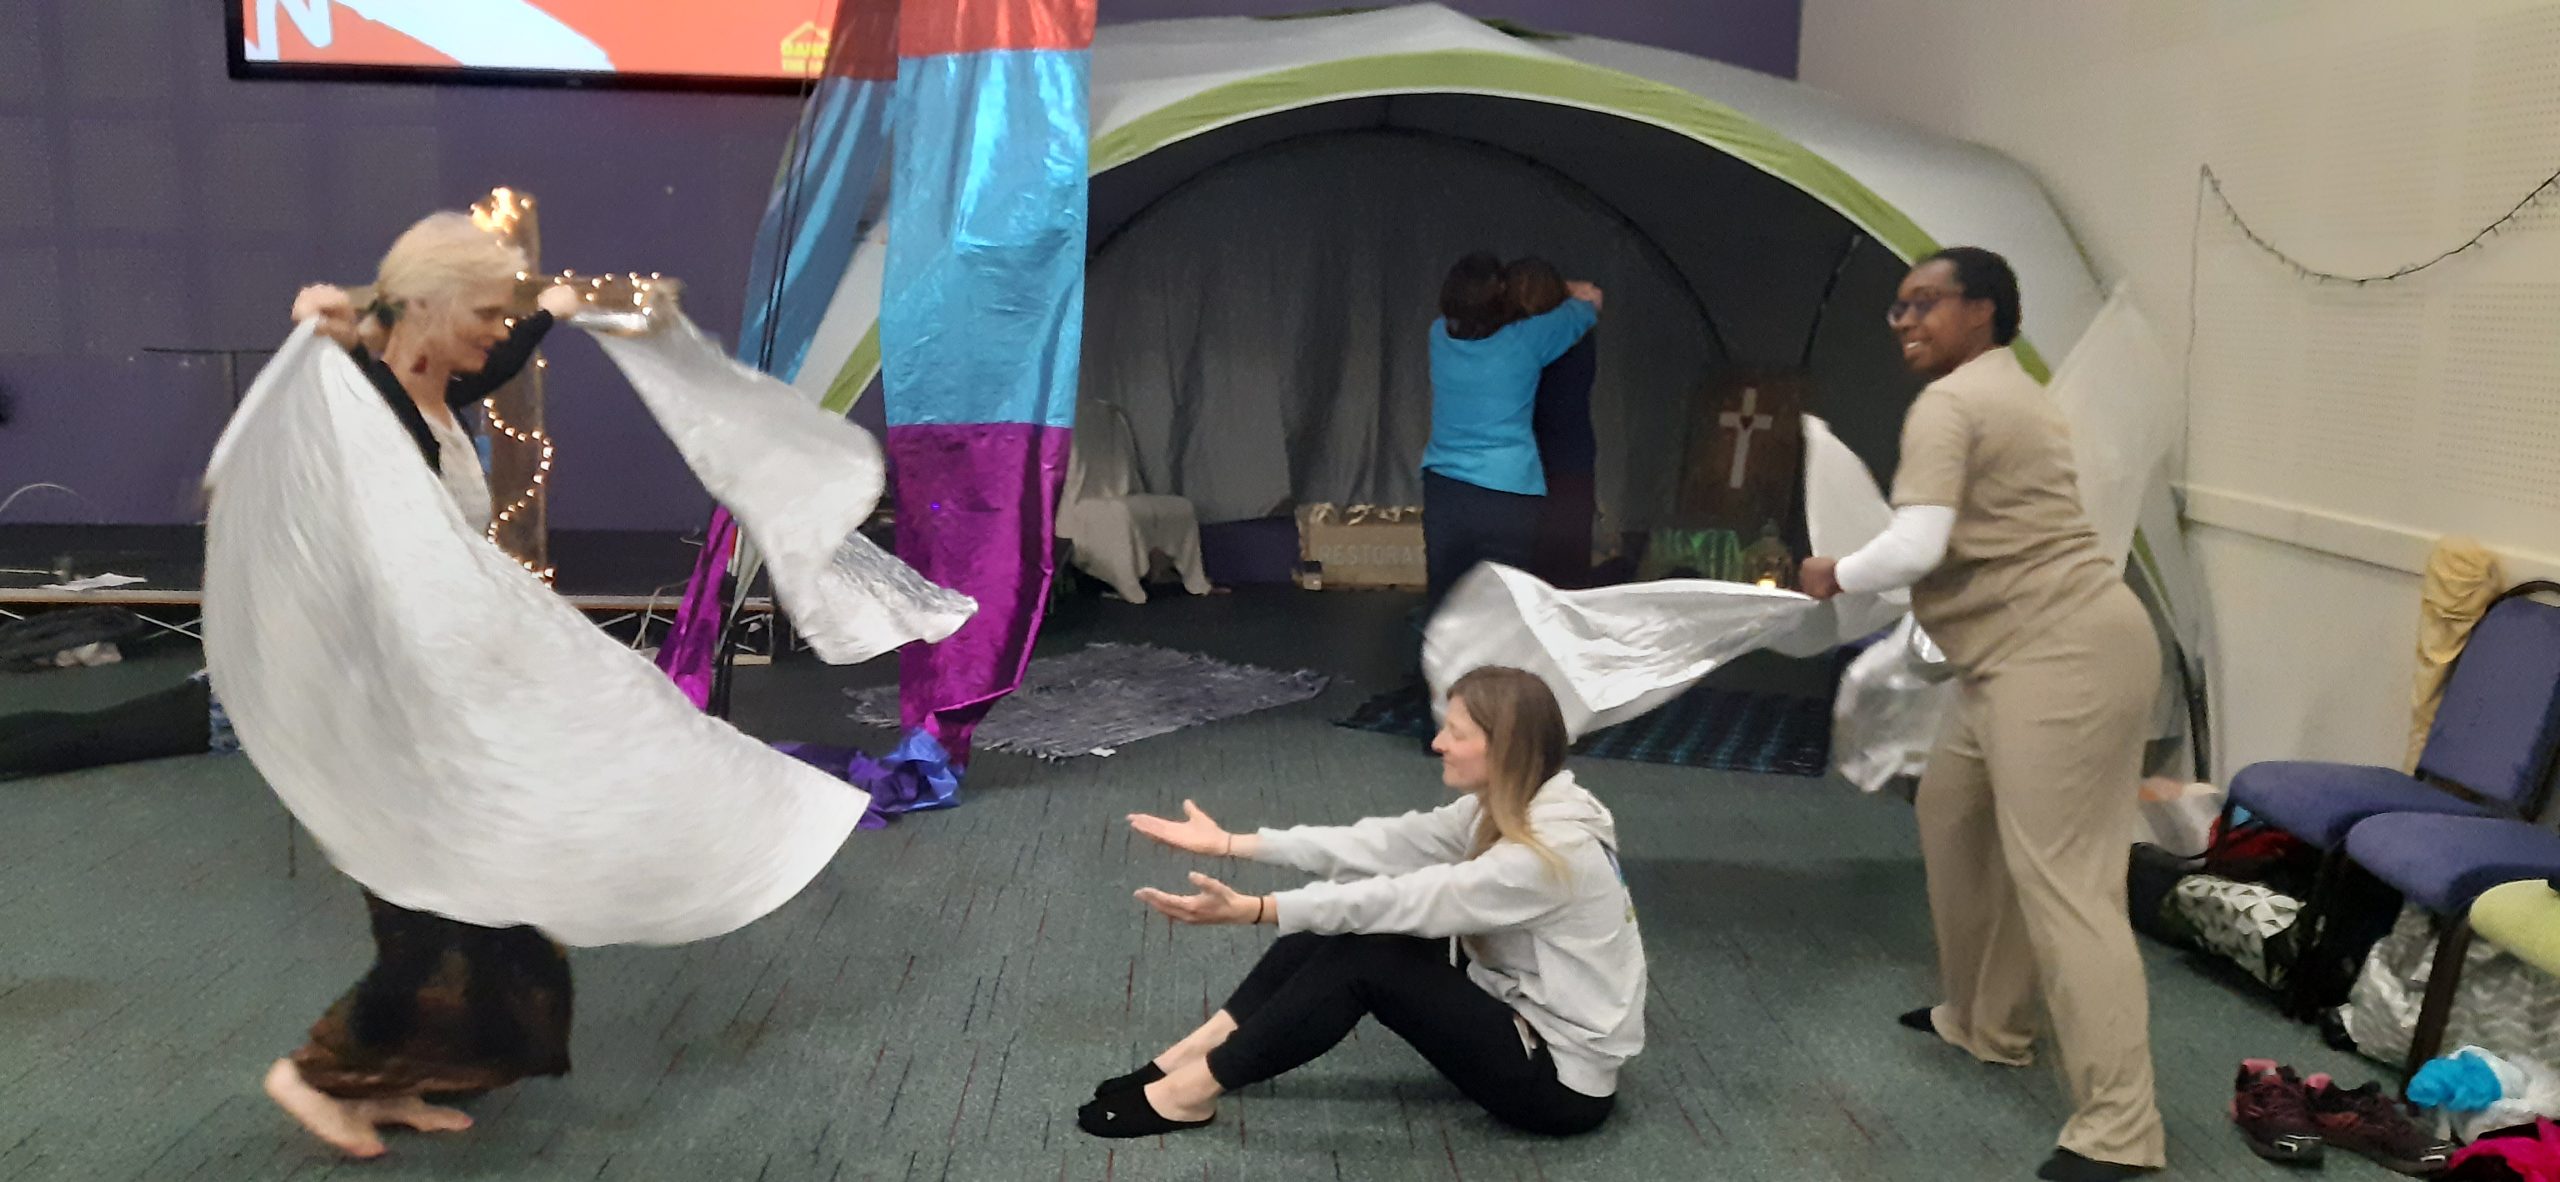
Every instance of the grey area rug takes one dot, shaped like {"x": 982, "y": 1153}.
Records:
{"x": 1096, "y": 699}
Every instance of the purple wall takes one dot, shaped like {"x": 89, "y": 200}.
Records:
{"x": 146, "y": 199}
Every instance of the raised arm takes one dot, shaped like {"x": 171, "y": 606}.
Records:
{"x": 1375, "y": 846}
{"x": 1378, "y": 845}
{"x": 1550, "y": 334}
{"x": 1504, "y": 888}
{"x": 1928, "y": 485}
{"x": 331, "y": 307}
{"x": 508, "y": 359}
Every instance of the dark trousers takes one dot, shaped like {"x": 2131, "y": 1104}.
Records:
{"x": 1563, "y": 552}
{"x": 174, "y": 721}
{"x": 1310, "y": 990}
{"x": 1464, "y": 524}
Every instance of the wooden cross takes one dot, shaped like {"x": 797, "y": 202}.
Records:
{"x": 1743, "y": 424}
{"x": 519, "y": 448}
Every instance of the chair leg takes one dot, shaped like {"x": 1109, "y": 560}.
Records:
{"x": 2307, "y": 924}
{"x": 2444, "y": 974}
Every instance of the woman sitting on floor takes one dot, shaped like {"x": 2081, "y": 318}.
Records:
{"x": 1531, "y": 1015}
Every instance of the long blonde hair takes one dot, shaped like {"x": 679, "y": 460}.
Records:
{"x": 428, "y": 270}
{"x": 1525, "y": 745}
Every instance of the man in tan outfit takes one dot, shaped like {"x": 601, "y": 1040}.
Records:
{"x": 2029, "y": 797}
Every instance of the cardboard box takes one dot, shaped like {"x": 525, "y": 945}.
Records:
{"x": 1363, "y": 546}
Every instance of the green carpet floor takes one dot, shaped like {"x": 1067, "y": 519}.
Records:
{"x": 938, "y": 1002}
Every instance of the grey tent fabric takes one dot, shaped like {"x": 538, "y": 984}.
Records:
{"x": 1265, "y": 325}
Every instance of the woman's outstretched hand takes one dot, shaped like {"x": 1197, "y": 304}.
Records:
{"x": 1216, "y": 903}
{"x": 561, "y": 300}
{"x": 1194, "y": 833}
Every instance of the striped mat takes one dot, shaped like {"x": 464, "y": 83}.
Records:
{"x": 1727, "y": 730}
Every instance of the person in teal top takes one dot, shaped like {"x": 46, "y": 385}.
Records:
{"x": 1481, "y": 477}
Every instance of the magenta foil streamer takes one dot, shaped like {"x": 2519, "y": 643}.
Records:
{"x": 977, "y": 509}
{"x": 693, "y": 643}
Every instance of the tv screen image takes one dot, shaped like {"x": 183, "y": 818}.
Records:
{"x": 754, "y": 43}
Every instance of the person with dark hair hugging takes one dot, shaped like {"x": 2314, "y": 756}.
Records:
{"x": 1533, "y": 1011}
{"x": 1568, "y": 451}
{"x": 2032, "y": 787}
{"x": 1482, "y": 481}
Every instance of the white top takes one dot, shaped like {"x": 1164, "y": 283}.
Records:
{"x": 464, "y": 480}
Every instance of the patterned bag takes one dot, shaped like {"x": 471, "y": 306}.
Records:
{"x": 2247, "y": 923}
{"x": 2501, "y": 1005}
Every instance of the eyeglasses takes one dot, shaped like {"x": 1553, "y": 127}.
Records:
{"x": 1917, "y": 307}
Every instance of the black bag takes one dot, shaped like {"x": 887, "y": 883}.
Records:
{"x": 34, "y": 642}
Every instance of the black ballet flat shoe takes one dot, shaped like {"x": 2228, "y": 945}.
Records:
{"x": 1920, "y": 1020}
{"x": 1129, "y": 1083}
{"x": 2066, "y": 1166}
{"x": 1127, "y": 1114}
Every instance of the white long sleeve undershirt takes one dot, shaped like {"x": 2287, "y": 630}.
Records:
{"x": 1909, "y": 548}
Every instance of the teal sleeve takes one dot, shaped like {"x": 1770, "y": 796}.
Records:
{"x": 1550, "y": 334}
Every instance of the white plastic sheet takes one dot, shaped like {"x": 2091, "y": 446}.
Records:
{"x": 1613, "y": 653}
{"x": 1892, "y": 700}
{"x": 801, "y": 482}
{"x": 457, "y": 738}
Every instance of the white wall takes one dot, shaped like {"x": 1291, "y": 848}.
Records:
{"x": 2334, "y": 431}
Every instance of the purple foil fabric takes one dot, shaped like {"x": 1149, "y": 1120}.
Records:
{"x": 977, "y": 504}
{"x": 917, "y": 777}
{"x": 694, "y": 641}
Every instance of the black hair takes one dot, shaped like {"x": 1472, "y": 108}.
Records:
{"x": 1474, "y": 299}
{"x": 1984, "y": 275}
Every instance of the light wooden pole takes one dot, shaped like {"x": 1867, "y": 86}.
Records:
{"x": 519, "y": 448}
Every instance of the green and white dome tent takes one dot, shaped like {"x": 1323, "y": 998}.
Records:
{"x": 1275, "y": 200}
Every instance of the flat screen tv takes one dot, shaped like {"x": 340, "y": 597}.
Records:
{"x": 772, "y": 45}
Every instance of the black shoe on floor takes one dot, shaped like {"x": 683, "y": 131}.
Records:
{"x": 1127, "y": 1114}
{"x": 1131, "y": 1082}
{"x": 2365, "y": 1121}
{"x": 1922, "y": 1020}
{"x": 2066, "y": 1166}
{"x": 2273, "y": 1110}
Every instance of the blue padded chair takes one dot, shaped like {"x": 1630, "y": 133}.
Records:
{"x": 2442, "y": 863}
{"x": 2489, "y": 754}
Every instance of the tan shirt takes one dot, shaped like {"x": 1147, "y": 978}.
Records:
{"x": 1988, "y": 442}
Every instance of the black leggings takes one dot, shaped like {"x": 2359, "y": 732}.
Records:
{"x": 1310, "y": 990}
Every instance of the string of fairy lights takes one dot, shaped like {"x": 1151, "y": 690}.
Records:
{"x": 503, "y": 213}
{"x": 523, "y": 500}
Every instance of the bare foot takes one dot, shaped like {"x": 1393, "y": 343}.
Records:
{"x": 414, "y": 1112}
{"x": 335, "y": 1121}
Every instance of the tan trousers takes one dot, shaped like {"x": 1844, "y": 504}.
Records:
{"x": 2026, "y": 819}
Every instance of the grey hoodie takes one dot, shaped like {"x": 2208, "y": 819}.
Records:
{"x": 1561, "y": 949}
